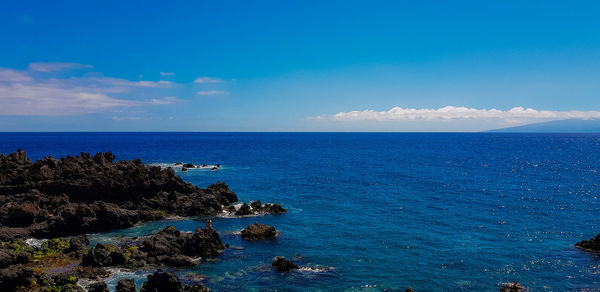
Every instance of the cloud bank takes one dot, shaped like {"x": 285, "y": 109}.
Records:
{"x": 25, "y": 93}
{"x": 516, "y": 115}
{"x": 56, "y": 66}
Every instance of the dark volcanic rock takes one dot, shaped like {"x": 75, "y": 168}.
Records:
{"x": 98, "y": 287}
{"x": 169, "y": 247}
{"x": 409, "y": 289}
{"x": 171, "y": 242}
{"x": 89, "y": 272}
{"x": 257, "y": 207}
{"x": 14, "y": 276}
{"x": 126, "y": 285}
{"x": 273, "y": 209}
{"x": 75, "y": 195}
{"x": 103, "y": 255}
{"x": 244, "y": 210}
{"x": 283, "y": 265}
{"x": 259, "y": 232}
{"x": 512, "y": 287}
{"x": 162, "y": 281}
{"x": 592, "y": 244}
{"x": 10, "y": 256}
{"x": 77, "y": 246}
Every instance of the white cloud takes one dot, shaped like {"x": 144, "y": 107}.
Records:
{"x": 128, "y": 83}
{"x": 56, "y": 66}
{"x": 23, "y": 93}
{"x": 164, "y": 100}
{"x": 10, "y": 75}
{"x": 515, "y": 115}
{"x": 44, "y": 100}
{"x": 167, "y": 73}
{"x": 208, "y": 80}
{"x": 211, "y": 92}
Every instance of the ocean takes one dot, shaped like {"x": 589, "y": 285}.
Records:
{"x": 379, "y": 211}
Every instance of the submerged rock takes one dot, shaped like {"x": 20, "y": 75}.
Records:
{"x": 283, "y": 265}
{"x": 512, "y": 287}
{"x": 258, "y": 231}
{"x": 409, "y": 289}
{"x": 81, "y": 194}
{"x": 591, "y": 244}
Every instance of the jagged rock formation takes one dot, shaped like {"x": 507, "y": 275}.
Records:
{"x": 169, "y": 247}
{"x": 126, "y": 285}
{"x": 256, "y": 208}
{"x": 75, "y": 195}
{"x": 162, "y": 281}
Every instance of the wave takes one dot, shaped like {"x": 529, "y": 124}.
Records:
{"x": 316, "y": 269}
{"x": 178, "y": 166}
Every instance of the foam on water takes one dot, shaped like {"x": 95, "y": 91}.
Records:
{"x": 179, "y": 166}
{"x": 35, "y": 242}
{"x": 316, "y": 269}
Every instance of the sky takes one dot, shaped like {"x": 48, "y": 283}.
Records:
{"x": 296, "y": 65}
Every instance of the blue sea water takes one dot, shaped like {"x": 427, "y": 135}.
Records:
{"x": 435, "y": 211}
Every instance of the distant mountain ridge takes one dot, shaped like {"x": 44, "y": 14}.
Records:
{"x": 558, "y": 126}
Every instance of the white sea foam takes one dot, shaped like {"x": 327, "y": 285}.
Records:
{"x": 316, "y": 269}
{"x": 231, "y": 232}
{"x": 179, "y": 166}
{"x": 121, "y": 273}
{"x": 35, "y": 242}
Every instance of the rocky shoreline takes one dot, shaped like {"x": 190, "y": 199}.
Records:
{"x": 53, "y": 198}
{"x": 76, "y": 195}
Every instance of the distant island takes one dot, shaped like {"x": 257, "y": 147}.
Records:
{"x": 559, "y": 126}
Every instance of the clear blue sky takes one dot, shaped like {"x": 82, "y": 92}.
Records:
{"x": 296, "y": 66}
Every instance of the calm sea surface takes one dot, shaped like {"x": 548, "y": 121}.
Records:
{"x": 434, "y": 211}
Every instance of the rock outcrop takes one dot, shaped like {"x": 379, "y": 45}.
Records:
{"x": 126, "y": 285}
{"x": 15, "y": 276}
{"x": 512, "y": 287}
{"x": 258, "y": 231}
{"x": 591, "y": 244}
{"x": 169, "y": 247}
{"x": 256, "y": 208}
{"x": 283, "y": 265}
{"x": 98, "y": 287}
{"x": 75, "y": 195}
{"x": 162, "y": 281}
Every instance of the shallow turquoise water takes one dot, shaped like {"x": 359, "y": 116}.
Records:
{"x": 436, "y": 211}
